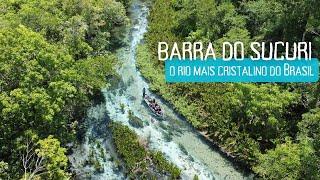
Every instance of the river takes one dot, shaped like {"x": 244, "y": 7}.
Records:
{"x": 174, "y": 137}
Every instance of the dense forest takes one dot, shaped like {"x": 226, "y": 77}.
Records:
{"x": 54, "y": 59}
{"x": 273, "y": 128}
{"x": 56, "y": 55}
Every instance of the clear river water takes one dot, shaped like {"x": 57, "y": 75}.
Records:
{"x": 174, "y": 137}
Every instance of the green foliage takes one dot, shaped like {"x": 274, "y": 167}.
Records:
{"x": 281, "y": 163}
{"x": 289, "y": 21}
{"x": 140, "y": 162}
{"x": 74, "y": 37}
{"x": 54, "y": 157}
{"x": 94, "y": 161}
{"x": 55, "y": 56}
{"x": 40, "y": 158}
{"x": 309, "y": 129}
{"x": 249, "y": 121}
{"x": 94, "y": 71}
{"x": 40, "y": 83}
{"x": 164, "y": 166}
{"x": 127, "y": 144}
{"x": 259, "y": 110}
{"x": 3, "y": 170}
{"x": 126, "y": 3}
{"x": 287, "y": 161}
{"x": 134, "y": 120}
{"x": 85, "y": 27}
{"x": 122, "y": 106}
{"x": 34, "y": 93}
{"x": 262, "y": 19}
{"x": 158, "y": 32}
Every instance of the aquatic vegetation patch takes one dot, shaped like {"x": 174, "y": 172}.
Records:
{"x": 134, "y": 120}
{"x": 140, "y": 162}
